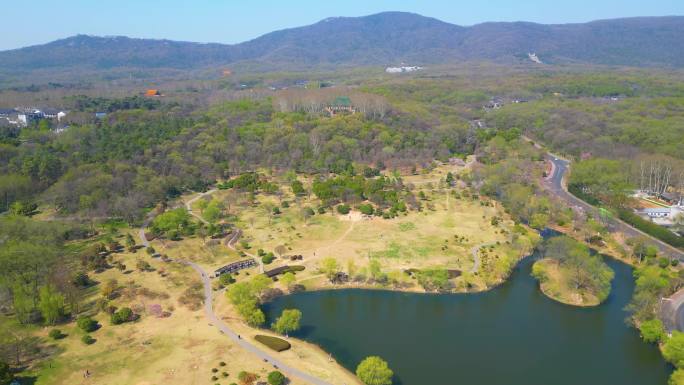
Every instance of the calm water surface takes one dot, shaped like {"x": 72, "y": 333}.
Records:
{"x": 511, "y": 335}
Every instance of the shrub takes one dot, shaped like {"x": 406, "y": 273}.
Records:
{"x": 81, "y": 279}
{"x": 122, "y": 315}
{"x": 88, "y": 339}
{"x": 143, "y": 265}
{"x": 86, "y": 324}
{"x": 222, "y": 363}
{"x": 275, "y": 343}
{"x": 366, "y": 209}
{"x": 276, "y": 378}
{"x": 268, "y": 258}
{"x": 225, "y": 280}
{"x": 56, "y": 334}
{"x": 247, "y": 377}
{"x": 214, "y": 370}
{"x": 150, "y": 250}
{"x": 321, "y": 210}
{"x": 343, "y": 209}
{"x": 663, "y": 262}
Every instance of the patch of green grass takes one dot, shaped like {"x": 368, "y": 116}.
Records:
{"x": 407, "y": 226}
{"x": 423, "y": 251}
{"x": 394, "y": 250}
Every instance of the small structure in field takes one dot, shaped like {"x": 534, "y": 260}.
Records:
{"x": 341, "y": 104}
{"x": 152, "y": 93}
{"x": 235, "y": 266}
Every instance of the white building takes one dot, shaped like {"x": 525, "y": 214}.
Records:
{"x": 397, "y": 70}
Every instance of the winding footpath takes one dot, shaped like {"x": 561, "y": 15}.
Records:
{"x": 188, "y": 204}
{"x": 475, "y": 251}
{"x": 220, "y": 325}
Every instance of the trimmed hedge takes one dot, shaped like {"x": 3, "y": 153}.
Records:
{"x": 275, "y": 343}
{"x": 651, "y": 228}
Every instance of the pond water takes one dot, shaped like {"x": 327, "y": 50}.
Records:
{"x": 510, "y": 335}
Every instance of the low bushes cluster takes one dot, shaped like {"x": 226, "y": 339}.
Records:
{"x": 86, "y": 324}
{"x": 56, "y": 334}
{"x": 88, "y": 339}
{"x": 122, "y": 315}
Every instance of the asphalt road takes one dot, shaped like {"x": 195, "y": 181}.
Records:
{"x": 554, "y": 183}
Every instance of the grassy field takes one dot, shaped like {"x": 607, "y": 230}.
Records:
{"x": 183, "y": 348}
{"x": 179, "y": 349}
{"x": 442, "y": 235}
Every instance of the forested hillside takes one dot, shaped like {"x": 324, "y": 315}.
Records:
{"x": 136, "y": 158}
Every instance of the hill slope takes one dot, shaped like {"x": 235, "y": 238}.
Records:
{"x": 381, "y": 39}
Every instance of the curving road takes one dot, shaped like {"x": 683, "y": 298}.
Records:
{"x": 671, "y": 309}
{"x": 216, "y": 321}
{"x": 554, "y": 183}
{"x": 223, "y": 328}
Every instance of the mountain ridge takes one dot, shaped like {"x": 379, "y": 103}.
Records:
{"x": 381, "y": 39}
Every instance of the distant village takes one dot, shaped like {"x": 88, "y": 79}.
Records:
{"x": 25, "y": 116}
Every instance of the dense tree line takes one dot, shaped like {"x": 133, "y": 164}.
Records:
{"x": 136, "y": 157}
{"x": 99, "y": 104}
{"x": 37, "y": 283}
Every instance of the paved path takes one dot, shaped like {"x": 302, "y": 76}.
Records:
{"x": 188, "y": 204}
{"x": 216, "y": 321}
{"x": 556, "y": 186}
{"x": 475, "y": 251}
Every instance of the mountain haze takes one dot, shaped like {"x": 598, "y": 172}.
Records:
{"x": 381, "y": 39}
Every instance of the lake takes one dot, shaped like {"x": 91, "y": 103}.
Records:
{"x": 510, "y": 335}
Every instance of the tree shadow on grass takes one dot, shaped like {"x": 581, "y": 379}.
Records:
{"x": 26, "y": 380}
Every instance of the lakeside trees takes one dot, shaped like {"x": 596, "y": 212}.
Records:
{"x": 246, "y": 296}
{"x": 288, "y": 321}
{"x": 374, "y": 370}
{"x": 586, "y": 274}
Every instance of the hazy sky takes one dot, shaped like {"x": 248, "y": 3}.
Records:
{"x": 233, "y": 21}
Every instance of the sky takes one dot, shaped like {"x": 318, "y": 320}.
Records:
{"x": 234, "y": 21}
